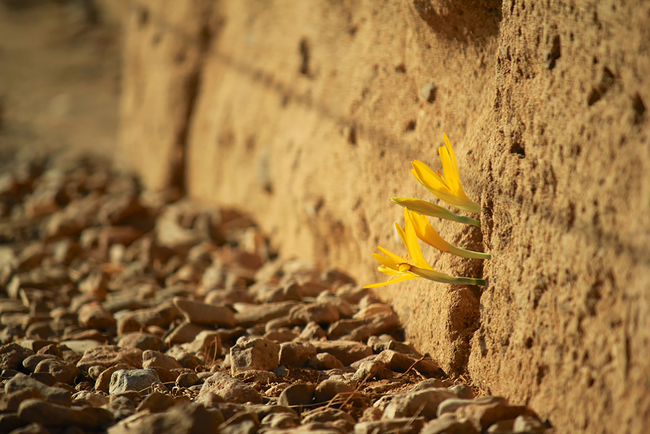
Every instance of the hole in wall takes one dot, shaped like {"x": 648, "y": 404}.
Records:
{"x": 461, "y": 20}
{"x": 303, "y": 49}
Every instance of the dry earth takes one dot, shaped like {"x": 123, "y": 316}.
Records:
{"x": 131, "y": 312}
{"x": 306, "y": 113}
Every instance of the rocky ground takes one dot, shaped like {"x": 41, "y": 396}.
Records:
{"x": 127, "y": 311}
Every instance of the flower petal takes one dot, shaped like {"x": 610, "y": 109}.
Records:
{"x": 386, "y": 261}
{"x": 391, "y": 255}
{"x": 400, "y": 231}
{"x": 390, "y": 281}
{"x": 412, "y": 242}
{"x": 428, "y": 177}
{"x": 434, "y": 275}
{"x": 448, "y": 169}
{"x": 427, "y": 233}
{"x": 452, "y": 157}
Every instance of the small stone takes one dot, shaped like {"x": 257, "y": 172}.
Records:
{"x": 296, "y": 354}
{"x": 429, "y": 91}
{"x": 312, "y": 331}
{"x": 371, "y": 414}
{"x": 110, "y": 355}
{"x": 336, "y": 278}
{"x": 96, "y": 284}
{"x": 401, "y": 363}
{"x": 325, "y": 361}
{"x": 40, "y": 330}
{"x": 338, "y": 418}
{"x": 429, "y": 383}
{"x": 347, "y": 352}
{"x": 329, "y": 389}
{"x": 280, "y": 421}
{"x": 31, "y": 257}
{"x": 87, "y": 398}
{"x": 62, "y": 371}
{"x": 528, "y": 424}
{"x": 53, "y": 415}
{"x": 345, "y": 309}
{"x": 127, "y": 324}
{"x": 185, "y": 332}
{"x": 372, "y": 311}
{"x": 281, "y": 335}
{"x": 250, "y": 314}
{"x": 352, "y": 293}
{"x": 156, "y": 402}
{"x": 12, "y": 356}
{"x": 9, "y": 402}
{"x": 179, "y": 419}
{"x": 94, "y": 316}
{"x": 257, "y": 379}
{"x": 226, "y": 296}
{"x": 387, "y": 342}
{"x": 187, "y": 360}
{"x": 462, "y": 391}
{"x": 187, "y": 379}
{"x": 447, "y": 424}
{"x": 161, "y": 316}
{"x": 81, "y": 346}
{"x": 344, "y": 327}
{"x": 135, "y": 380}
{"x": 424, "y": 403}
{"x": 207, "y": 343}
{"x": 482, "y": 416}
{"x": 203, "y": 313}
{"x": 385, "y": 322}
{"x": 272, "y": 293}
{"x": 400, "y": 425}
{"x": 501, "y": 426}
{"x": 368, "y": 369}
{"x": 241, "y": 423}
{"x": 50, "y": 349}
{"x": 318, "y": 312}
{"x": 228, "y": 388}
{"x": 452, "y": 404}
{"x": 103, "y": 380}
{"x": 51, "y": 394}
{"x": 258, "y": 354}
{"x": 297, "y": 395}
{"x": 154, "y": 359}
{"x": 64, "y": 251}
{"x": 140, "y": 340}
{"x": 31, "y": 362}
{"x": 9, "y": 422}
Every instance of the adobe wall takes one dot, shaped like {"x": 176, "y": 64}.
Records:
{"x": 307, "y": 113}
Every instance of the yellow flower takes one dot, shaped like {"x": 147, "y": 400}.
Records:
{"x": 448, "y": 187}
{"x": 414, "y": 266}
{"x": 431, "y": 209}
{"x": 429, "y": 235}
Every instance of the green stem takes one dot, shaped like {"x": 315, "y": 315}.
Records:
{"x": 445, "y": 278}
{"x": 431, "y": 209}
{"x": 468, "y": 253}
{"x": 470, "y": 281}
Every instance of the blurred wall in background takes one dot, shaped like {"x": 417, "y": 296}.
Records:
{"x": 307, "y": 113}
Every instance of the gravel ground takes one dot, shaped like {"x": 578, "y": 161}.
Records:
{"x": 124, "y": 311}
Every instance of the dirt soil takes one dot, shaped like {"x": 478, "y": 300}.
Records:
{"x": 306, "y": 115}
{"x": 125, "y": 311}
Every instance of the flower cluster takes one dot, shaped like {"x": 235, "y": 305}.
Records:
{"x": 449, "y": 189}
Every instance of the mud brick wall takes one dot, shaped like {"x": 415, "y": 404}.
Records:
{"x": 306, "y": 114}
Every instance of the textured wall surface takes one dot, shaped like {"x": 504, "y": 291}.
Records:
{"x": 307, "y": 113}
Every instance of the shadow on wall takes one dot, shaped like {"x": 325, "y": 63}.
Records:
{"x": 464, "y": 20}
